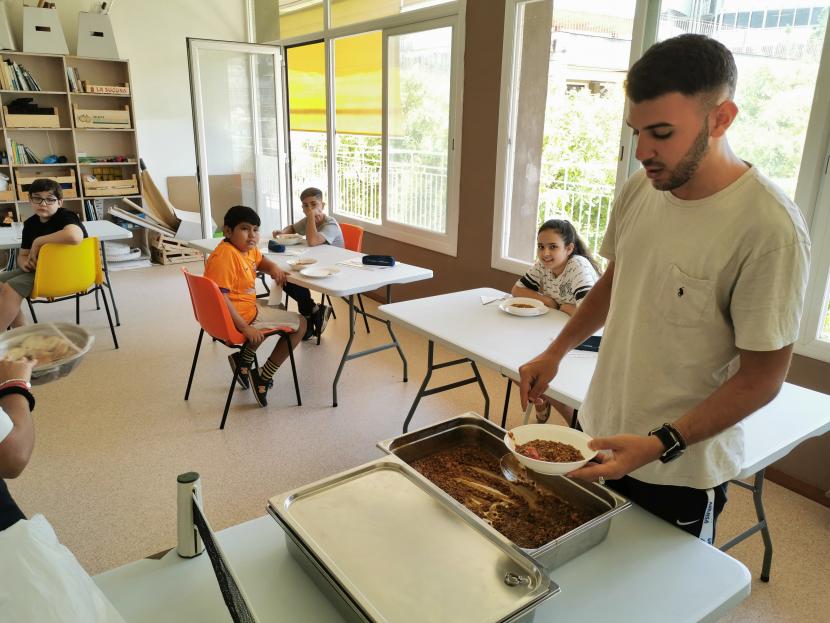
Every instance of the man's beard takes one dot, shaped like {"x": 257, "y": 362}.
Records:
{"x": 686, "y": 168}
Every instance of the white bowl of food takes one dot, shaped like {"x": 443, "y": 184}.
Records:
{"x": 57, "y": 347}
{"x": 288, "y": 239}
{"x": 523, "y": 306}
{"x": 301, "y": 262}
{"x": 558, "y": 449}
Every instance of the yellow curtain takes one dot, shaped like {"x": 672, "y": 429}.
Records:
{"x": 358, "y": 86}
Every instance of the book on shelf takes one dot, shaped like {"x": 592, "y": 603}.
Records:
{"x": 22, "y": 154}
{"x": 15, "y": 77}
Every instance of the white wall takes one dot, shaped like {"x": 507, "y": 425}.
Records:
{"x": 151, "y": 35}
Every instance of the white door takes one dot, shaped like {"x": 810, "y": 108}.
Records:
{"x": 239, "y": 127}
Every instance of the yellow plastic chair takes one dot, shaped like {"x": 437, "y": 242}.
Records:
{"x": 70, "y": 271}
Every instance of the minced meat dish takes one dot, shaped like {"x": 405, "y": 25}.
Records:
{"x": 525, "y": 513}
{"x": 551, "y": 451}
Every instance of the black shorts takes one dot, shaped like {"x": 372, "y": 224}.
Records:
{"x": 694, "y": 510}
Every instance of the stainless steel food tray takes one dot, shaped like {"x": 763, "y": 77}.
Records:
{"x": 385, "y": 547}
{"x": 472, "y": 429}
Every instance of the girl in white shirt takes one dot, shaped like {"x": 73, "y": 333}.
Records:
{"x": 561, "y": 277}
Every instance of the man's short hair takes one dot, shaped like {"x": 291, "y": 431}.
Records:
{"x": 688, "y": 64}
{"x": 45, "y": 185}
{"x": 241, "y": 214}
{"x": 311, "y": 192}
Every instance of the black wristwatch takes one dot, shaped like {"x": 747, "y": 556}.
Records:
{"x": 672, "y": 440}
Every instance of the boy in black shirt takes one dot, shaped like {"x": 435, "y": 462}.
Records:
{"x": 50, "y": 223}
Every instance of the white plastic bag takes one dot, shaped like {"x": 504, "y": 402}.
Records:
{"x": 41, "y": 580}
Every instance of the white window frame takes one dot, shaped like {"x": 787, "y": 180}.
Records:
{"x": 511, "y": 60}
{"x": 812, "y": 193}
{"x": 449, "y": 14}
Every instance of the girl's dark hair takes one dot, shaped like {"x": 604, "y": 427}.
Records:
{"x": 45, "y": 185}
{"x": 241, "y": 214}
{"x": 570, "y": 236}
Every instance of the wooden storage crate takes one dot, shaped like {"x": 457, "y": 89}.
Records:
{"x": 98, "y": 188}
{"x": 164, "y": 250}
{"x": 67, "y": 182}
{"x": 7, "y": 195}
{"x": 105, "y": 119}
{"x": 31, "y": 121}
{"x": 110, "y": 89}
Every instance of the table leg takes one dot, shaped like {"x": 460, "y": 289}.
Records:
{"x": 109, "y": 285}
{"x": 345, "y": 356}
{"x": 506, "y": 402}
{"x": 391, "y": 333}
{"x": 348, "y": 355}
{"x": 423, "y": 391}
{"x": 762, "y": 526}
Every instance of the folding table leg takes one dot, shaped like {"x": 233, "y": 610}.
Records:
{"x": 345, "y": 356}
{"x": 109, "y": 285}
{"x": 392, "y": 334}
{"x": 506, "y": 402}
{"x": 762, "y": 526}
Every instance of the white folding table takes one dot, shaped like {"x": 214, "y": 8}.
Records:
{"x": 104, "y": 230}
{"x": 487, "y": 335}
{"x": 644, "y": 571}
{"x": 348, "y": 283}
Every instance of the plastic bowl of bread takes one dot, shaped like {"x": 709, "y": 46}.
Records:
{"x": 56, "y": 347}
{"x": 549, "y": 448}
{"x": 288, "y": 239}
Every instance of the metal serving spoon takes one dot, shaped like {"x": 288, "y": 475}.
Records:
{"x": 512, "y": 469}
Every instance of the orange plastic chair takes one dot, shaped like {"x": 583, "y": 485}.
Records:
{"x": 70, "y": 271}
{"x": 352, "y": 236}
{"x": 353, "y": 241}
{"x": 213, "y": 317}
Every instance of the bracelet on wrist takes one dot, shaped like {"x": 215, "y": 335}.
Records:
{"x": 7, "y": 390}
{"x": 19, "y": 382}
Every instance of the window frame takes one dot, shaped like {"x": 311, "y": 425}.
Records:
{"x": 812, "y": 193}
{"x": 450, "y": 14}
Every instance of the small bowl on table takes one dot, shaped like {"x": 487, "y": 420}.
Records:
{"x": 550, "y": 432}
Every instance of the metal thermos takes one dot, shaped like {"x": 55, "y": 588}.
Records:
{"x": 189, "y": 543}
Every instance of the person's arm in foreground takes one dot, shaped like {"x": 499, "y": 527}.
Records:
{"x": 537, "y": 373}
{"x": 16, "y": 448}
{"x": 273, "y": 270}
{"x": 756, "y": 383}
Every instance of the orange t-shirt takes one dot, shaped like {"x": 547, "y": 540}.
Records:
{"x": 235, "y": 274}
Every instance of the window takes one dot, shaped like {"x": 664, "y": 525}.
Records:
{"x": 802, "y": 17}
{"x": 559, "y": 145}
{"x": 563, "y": 141}
{"x": 372, "y": 118}
{"x": 756, "y": 19}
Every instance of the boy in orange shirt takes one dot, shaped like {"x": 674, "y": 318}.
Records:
{"x": 233, "y": 266}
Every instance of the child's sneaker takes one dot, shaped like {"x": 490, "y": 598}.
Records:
{"x": 259, "y": 386}
{"x": 321, "y": 319}
{"x": 309, "y": 327}
{"x": 242, "y": 377}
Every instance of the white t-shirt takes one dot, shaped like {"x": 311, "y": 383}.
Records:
{"x": 330, "y": 230}
{"x": 569, "y": 287}
{"x": 693, "y": 282}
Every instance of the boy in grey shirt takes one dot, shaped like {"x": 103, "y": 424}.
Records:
{"x": 318, "y": 228}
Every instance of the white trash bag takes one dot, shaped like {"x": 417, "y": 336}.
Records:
{"x": 41, "y": 580}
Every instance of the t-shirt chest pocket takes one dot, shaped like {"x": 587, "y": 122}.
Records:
{"x": 683, "y": 299}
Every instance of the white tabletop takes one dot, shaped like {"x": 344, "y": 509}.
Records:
{"x": 350, "y": 279}
{"x": 503, "y": 342}
{"x": 493, "y": 338}
{"x": 645, "y": 570}
{"x": 103, "y": 230}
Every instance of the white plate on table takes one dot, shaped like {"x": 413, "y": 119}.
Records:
{"x": 301, "y": 262}
{"x": 318, "y": 272}
{"x": 289, "y": 239}
{"x": 523, "y": 306}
